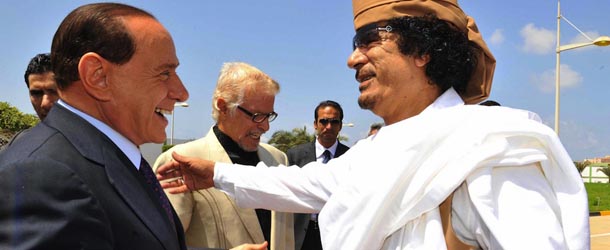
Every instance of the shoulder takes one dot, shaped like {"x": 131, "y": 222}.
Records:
{"x": 192, "y": 148}
{"x": 277, "y": 154}
{"x": 301, "y": 147}
{"x": 269, "y": 148}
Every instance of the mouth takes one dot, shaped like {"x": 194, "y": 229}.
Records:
{"x": 255, "y": 135}
{"x": 364, "y": 82}
{"x": 162, "y": 112}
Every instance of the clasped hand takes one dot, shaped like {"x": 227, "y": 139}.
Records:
{"x": 184, "y": 174}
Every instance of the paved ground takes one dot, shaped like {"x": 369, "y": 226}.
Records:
{"x": 600, "y": 232}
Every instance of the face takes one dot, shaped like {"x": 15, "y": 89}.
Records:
{"x": 391, "y": 83}
{"x": 328, "y": 125}
{"x": 239, "y": 125}
{"x": 146, "y": 87}
{"x": 43, "y": 93}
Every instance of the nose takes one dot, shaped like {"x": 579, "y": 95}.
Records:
{"x": 264, "y": 126}
{"x": 177, "y": 90}
{"x": 356, "y": 59}
{"x": 47, "y": 101}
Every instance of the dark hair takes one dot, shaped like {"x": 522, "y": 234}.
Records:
{"x": 92, "y": 28}
{"x": 376, "y": 126}
{"x": 39, "y": 64}
{"x": 328, "y": 103}
{"x": 490, "y": 103}
{"x": 452, "y": 56}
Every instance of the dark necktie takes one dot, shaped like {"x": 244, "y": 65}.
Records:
{"x": 326, "y": 156}
{"x": 151, "y": 179}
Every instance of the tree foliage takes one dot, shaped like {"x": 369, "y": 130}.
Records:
{"x": 14, "y": 120}
{"x": 284, "y": 140}
{"x": 581, "y": 165}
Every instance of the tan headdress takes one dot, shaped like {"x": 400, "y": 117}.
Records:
{"x": 371, "y": 11}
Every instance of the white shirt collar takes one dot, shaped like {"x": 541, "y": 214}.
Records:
{"x": 320, "y": 149}
{"x": 125, "y": 145}
{"x": 448, "y": 99}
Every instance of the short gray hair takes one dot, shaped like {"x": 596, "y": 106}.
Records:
{"x": 234, "y": 79}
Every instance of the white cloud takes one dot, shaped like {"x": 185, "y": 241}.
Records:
{"x": 497, "y": 37}
{"x": 546, "y": 81}
{"x": 538, "y": 40}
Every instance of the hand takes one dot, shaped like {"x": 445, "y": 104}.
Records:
{"x": 184, "y": 174}
{"x": 261, "y": 246}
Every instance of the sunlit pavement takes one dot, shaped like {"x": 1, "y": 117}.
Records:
{"x": 600, "y": 232}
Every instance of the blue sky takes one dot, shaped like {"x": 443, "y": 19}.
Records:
{"x": 304, "y": 46}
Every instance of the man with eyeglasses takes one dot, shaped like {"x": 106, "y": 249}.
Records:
{"x": 328, "y": 121}
{"x": 440, "y": 174}
{"x": 242, "y": 107}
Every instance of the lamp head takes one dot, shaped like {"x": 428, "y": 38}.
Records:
{"x": 602, "y": 41}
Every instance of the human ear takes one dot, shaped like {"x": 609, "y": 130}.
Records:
{"x": 92, "y": 69}
{"x": 421, "y": 61}
{"x": 221, "y": 105}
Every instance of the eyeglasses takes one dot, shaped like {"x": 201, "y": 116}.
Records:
{"x": 333, "y": 121}
{"x": 368, "y": 34}
{"x": 259, "y": 117}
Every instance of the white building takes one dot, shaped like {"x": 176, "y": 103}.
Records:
{"x": 591, "y": 175}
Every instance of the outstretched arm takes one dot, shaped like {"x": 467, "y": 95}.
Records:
{"x": 186, "y": 173}
{"x": 284, "y": 189}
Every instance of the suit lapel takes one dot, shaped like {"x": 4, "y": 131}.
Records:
{"x": 140, "y": 197}
{"x": 247, "y": 216}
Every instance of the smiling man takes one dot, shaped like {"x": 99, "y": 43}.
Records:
{"x": 440, "y": 174}
{"x": 77, "y": 180}
{"x": 242, "y": 107}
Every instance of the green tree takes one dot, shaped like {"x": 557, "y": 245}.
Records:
{"x": 12, "y": 119}
{"x": 581, "y": 165}
{"x": 606, "y": 171}
{"x": 284, "y": 140}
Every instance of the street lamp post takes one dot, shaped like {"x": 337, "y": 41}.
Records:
{"x": 178, "y": 104}
{"x": 600, "y": 41}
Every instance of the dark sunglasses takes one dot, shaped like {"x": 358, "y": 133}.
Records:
{"x": 258, "y": 117}
{"x": 368, "y": 34}
{"x": 325, "y": 121}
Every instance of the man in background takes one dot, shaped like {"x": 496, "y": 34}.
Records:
{"x": 328, "y": 121}
{"x": 40, "y": 80}
{"x": 242, "y": 107}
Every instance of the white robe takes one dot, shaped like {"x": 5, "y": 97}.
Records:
{"x": 515, "y": 185}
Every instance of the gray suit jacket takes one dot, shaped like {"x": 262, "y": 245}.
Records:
{"x": 65, "y": 185}
{"x": 300, "y": 155}
{"x": 211, "y": 218}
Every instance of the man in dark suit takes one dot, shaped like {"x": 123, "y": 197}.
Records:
{"x": 40, "y": 80}
{"x": 77, "y": 180}
{"x": 328, "y": 123}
